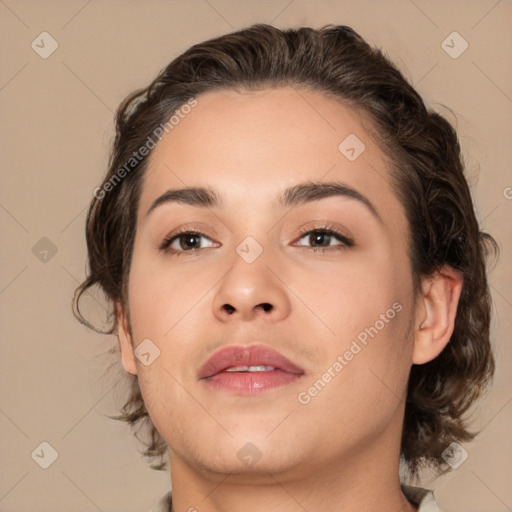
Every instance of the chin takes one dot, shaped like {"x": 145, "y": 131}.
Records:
{"x": 249, "y": 467}
{"x": 257, "y": 452}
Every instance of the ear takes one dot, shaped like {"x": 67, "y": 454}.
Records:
{"x": 124, "y": 339}
{"x": 436, "y": 312}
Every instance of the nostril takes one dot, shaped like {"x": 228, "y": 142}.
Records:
{"x": 266, "y": 306}
{"x": 229, "y": 308}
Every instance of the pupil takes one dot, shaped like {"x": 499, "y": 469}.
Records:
{"x": 319, "y": 237}
{"x": 189, "y": 240}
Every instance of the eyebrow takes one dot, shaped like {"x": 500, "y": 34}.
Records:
{"x": 204, "y": 197}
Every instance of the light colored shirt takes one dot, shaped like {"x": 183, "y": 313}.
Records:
{"x": 424, "y": 498}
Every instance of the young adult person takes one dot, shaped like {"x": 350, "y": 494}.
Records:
{"x": 298, "y": 277}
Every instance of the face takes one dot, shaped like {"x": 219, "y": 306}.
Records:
{"x": 322, "y": 276}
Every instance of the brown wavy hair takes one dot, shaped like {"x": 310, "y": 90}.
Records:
{"x": 427, "y": 173}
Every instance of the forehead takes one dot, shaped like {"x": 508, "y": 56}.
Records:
{"x": 265, "y": 141}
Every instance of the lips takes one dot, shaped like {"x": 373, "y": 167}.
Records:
{"x": 245, "y": 356}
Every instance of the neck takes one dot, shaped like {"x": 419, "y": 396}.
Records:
{"x": 364, "y": 479}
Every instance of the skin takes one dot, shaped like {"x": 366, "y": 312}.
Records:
{"x": 341, "y": 450}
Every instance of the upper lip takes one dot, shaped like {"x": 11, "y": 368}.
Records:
{"x": 248, "y": 355}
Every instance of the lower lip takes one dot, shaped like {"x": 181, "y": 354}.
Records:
{"x": 250, "y": 383}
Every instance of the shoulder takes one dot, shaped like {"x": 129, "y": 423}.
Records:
{"x": 422, "y": 497}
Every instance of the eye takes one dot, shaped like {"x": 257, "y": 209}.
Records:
{"x": 324, "y": 239}
{"x": 185, "y": 241}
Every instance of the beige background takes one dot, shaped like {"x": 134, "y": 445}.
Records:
{"x": 57, "y": 125}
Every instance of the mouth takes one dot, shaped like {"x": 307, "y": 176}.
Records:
{"x": 248, "y": 370}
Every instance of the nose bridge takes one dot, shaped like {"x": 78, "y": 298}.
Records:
{"x": 251, "y": 286}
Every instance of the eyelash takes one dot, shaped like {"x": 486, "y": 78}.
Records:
{"x": 325, "y": 229}
{"x": 164, "y": 246}
{"x": 328, "y": 230}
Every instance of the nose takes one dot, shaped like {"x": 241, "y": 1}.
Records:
{"x": 252, "y": 290}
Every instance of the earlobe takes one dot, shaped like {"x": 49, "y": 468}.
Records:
{"x": 437, "y": 307}
{"x": 124, "y": 339}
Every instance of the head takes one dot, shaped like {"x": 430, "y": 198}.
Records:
{"x": 247, "y": 121}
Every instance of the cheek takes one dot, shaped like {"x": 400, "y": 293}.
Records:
{"x": 165, "y": 401}
{"x": 367, "y": 304}
{"x": 168, "y": 307}
{"x": 163, "y": 299}
{"x": 352, "y": 294}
